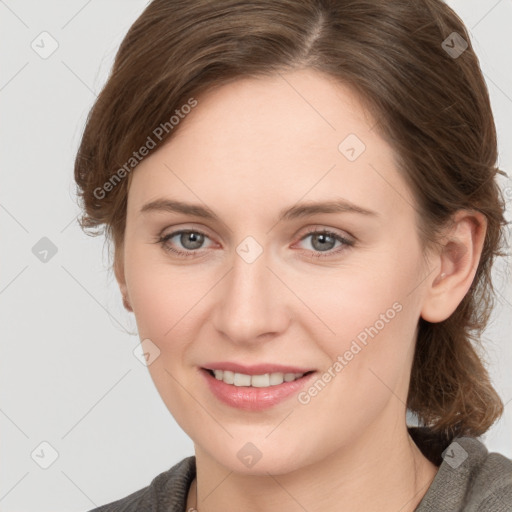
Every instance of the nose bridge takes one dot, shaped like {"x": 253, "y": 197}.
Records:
{"x": 248, "y": 305}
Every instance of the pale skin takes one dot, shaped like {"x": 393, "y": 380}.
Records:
{"x": 248, "y": 150}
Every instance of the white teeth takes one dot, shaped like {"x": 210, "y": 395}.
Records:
{"x": 257, "y": 381}
{"x": 276, "y": 378}
{"x": 242, "y": 380}
{"x": 260, "y": 381}
{"x": 218, "y": 374}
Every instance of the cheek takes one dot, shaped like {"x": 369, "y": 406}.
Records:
{"x": 163, "y": 300}
{"x": 372, "y": 344}
{"x": 372, "y": 313}
{"x": 373, "y": 298}
{"x": 161, "y": 294}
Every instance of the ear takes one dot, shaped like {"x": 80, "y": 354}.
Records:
{"x": 457, "y": 262}
{"x": 120, "y": 278}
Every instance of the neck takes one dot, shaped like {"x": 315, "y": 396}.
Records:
{"x": 382, "y": 471}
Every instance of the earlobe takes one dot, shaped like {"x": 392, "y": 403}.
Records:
{"x": 127, "y": 304}
{"x": 457, "y": 263}
{"x": 121, "y": 281}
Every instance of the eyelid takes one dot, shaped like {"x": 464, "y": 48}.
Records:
{"x": 318, "y": 228}
{"x": 173, "y": 230}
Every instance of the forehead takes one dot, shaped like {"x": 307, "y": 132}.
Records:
{"x": 292, "y": 136}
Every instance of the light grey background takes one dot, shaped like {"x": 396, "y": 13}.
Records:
{"x": 68, "y": 373}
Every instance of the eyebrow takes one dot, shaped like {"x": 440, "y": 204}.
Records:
{"x": 295, "y": 212}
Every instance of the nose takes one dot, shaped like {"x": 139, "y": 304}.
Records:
{"x": 251, "y": 302}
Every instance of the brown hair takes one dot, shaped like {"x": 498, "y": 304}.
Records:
{"x": 433, "y": 108}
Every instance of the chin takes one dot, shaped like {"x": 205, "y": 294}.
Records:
{"x": 252, "y": 459}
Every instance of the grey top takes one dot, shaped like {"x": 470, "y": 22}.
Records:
{"x": 469, "y": 479}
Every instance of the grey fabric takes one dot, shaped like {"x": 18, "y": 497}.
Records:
{"x": 469, "y": 479}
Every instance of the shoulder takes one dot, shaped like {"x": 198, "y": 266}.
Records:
{"x": 489, "y": 480}
{"x": 470, "y": 479}
{"x": 166, "y": 492}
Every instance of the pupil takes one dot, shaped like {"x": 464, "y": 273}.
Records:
{"x": 323, "y": 238}
{"x": 193, "y": 238}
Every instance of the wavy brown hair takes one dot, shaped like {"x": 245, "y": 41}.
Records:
{"x": 433, "y": 109}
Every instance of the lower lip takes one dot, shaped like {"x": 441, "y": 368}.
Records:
{"x": 250, "y": 398}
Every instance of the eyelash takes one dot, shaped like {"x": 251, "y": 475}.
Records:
{"x": 162, "y": 240}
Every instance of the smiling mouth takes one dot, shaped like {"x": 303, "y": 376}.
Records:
{"x": 256, "y": 381}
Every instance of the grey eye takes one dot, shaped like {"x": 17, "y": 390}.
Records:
{"x": 191, "y": 240}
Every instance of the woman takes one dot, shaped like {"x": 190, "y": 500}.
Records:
{"x": 231, "y": 142}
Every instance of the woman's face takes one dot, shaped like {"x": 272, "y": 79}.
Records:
{"x": 257, "y": 287}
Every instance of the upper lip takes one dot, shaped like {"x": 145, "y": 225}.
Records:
{"x": 255, "y": 369}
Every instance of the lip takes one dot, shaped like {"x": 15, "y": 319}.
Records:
{"x": 255, "y": 369}
{"x": 249, "y": 398}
